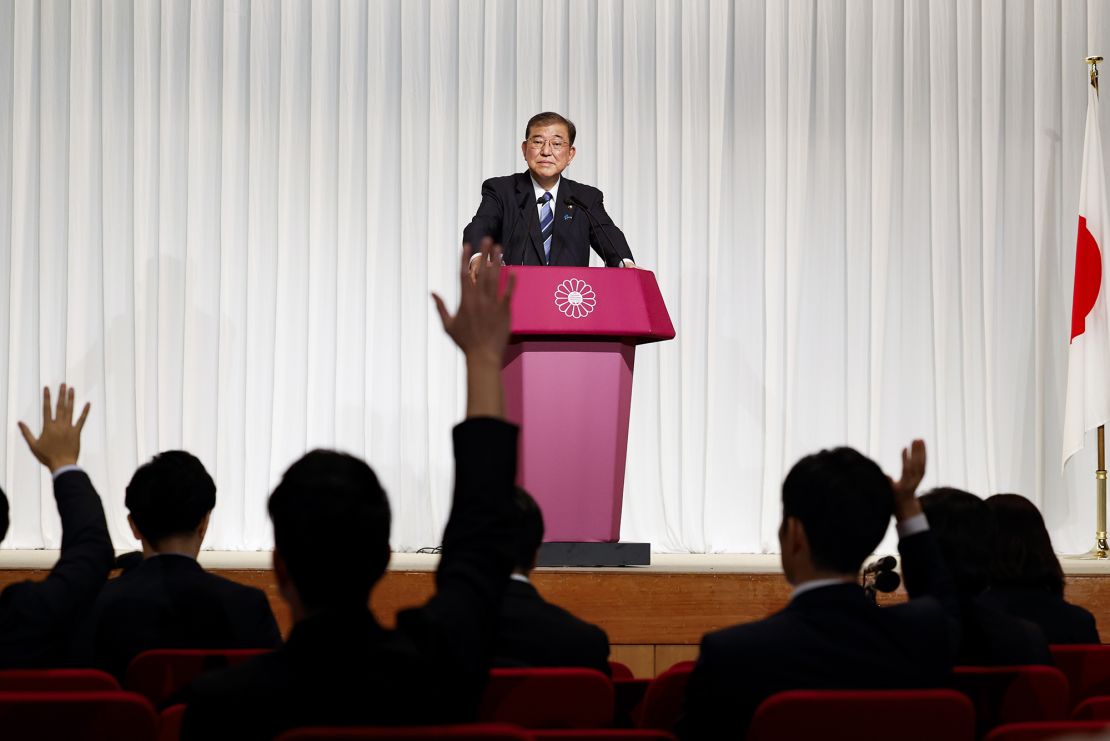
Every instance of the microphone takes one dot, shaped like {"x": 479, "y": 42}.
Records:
{"x": 574, "y": 201}
{"x": 520, "y": 214}
{"x": 886, "y": 563}
{"x": 886, "y": 581}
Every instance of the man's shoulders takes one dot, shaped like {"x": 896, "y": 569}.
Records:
{"x": 534, "y": 606}
{"x": 587, "y": 193}
{"x": 503, "y": 182}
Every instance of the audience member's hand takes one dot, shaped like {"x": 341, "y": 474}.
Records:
{"x": 59, "y": 443}
{"x": 905, "y": 489}
{"x": 481, "y": 325}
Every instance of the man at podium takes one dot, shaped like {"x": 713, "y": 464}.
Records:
{"x": 542, "y": 218}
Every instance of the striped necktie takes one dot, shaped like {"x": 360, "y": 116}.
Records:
{"x": 547, "y": 225}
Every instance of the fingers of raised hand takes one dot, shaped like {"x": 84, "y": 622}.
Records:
{"x": 83, "y": 417}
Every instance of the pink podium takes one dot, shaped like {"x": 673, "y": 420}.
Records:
{"x": 568, "y": 382}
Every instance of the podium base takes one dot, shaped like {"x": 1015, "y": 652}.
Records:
{"x": 594, "y": 554}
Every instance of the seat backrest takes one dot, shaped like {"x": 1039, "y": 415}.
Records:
{"x": 160, "y": 674}
{"x": 604, "y": 734}
{"x": 1013, "y": 694}
{"x": 1045, "y": 730}
{"x": 620, "y": 671}
{"x": 548, "y": 698}
{"x": 56, "y": 680}
{"x": 466, "y": 732}
{"x": 662, "y": 704}
{"x": 75, "y": 714}
{"x": 169, "y": 724}
{"x": 1087, "y": 669}
{"x": 1093, "y": 708}
{"x": 908, "y": 715}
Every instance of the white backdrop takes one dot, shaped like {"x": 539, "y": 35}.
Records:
{"x": 221, "y": 222}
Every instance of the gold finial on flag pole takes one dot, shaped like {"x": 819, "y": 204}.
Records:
{"x": 1093, "y": 62}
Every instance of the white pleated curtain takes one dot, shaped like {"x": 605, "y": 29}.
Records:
{"x": 221, "y": 222}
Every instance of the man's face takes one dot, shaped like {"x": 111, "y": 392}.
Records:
{"x": 547, "y": 150}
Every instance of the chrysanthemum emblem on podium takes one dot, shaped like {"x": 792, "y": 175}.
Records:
{"x": 575, "y": 298}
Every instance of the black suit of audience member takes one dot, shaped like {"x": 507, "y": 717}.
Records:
{"x": 331, "y": 534}
{"x": 533, "y": 632}
{"x": 837, "y": 506}
{"x": 1026, "y": 578}
{"x": 37, "y": 618}
{"x": 169, "y": 600}
{"x": 965, "y": 530}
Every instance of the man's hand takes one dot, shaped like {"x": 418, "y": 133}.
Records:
{"x": 474, "y": 266}
{"x": 906, "y": 504}
{"x": 481, "y": 328}
{"x": 59, "y": 443}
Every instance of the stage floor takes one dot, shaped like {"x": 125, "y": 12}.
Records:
{"x": 654, "y": 615}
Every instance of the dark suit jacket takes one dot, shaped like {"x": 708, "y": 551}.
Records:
{"x": 992, "y": 637}
{"x": 170, "y": 601}
{"x": 37, "y": 618}
{"x": 534, "y": 632}
{"x": 343, "y": 668}
{"x": 508, "y": 214}
{"x": 1060, "y": 621}
{"x": 833, "y": 637}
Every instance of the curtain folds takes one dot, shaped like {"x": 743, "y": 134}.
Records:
{"x": 221, "y": 220}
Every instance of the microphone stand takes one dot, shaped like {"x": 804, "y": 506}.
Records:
{"x": 573, "y": 200}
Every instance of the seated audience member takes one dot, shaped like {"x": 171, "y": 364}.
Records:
{"x": 1026, "y": 580}
{"x": 836, "y": 507}
{"x": 532, "y": 631}
{"x": 965, "y": 531}
{"x": 37, "y": 618}
{"x": 168, "y": 600}
{"x": 331, "y": 524}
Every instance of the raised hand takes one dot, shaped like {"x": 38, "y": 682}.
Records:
{"x": 481, "y": 329}
{"x": 481, "y": 325}
{"x": 59, "y": 443}
{"x": 905, "y": 489}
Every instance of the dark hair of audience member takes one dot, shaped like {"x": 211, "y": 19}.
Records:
{"x": 549, "y": 118}
{"x": 4, "y": 521}
{"x": 1023, "y": 555}
{"x": 844, "y": 501}
{"x": 529, "y": 534}
{"x": 170, "y": 495}
{"x": 331, "y": 528}
{"x": 964, "y": 529}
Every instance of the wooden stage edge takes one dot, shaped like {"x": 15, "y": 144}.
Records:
{"x": 654, "y": 615}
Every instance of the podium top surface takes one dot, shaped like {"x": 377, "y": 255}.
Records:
{"x": 622, "y": 303}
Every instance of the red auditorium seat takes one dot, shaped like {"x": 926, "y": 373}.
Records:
{"x": 468, "y": 732}
{"x": 548, "y": 698}
{"x": 865, "y": 715}
{"x": 620, "y": 671}
{"x": 158, "y": 675}
{"x": 1013, "y": 694}
{"x": 169, "y": 725}
{"x": 606, "y": 734}
{"x": 1087, "y": 669}
{"x": 1045, "y": 730}
{"x": 89, "y": 716}
{"x": 1093, "y": 708}
{"x": 663, "y": 700}
{"x": 56, "y": 680}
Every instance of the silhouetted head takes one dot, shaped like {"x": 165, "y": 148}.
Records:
{"x": 836, "y": 507}
{"x": 170, "y": 496}
{"x": 964, "y": 528}
{"x": 529, "y": 533}
{"x": 4, "y": 522}
{"x": 331, "y": 531}
{"x": 1023, "y": 554}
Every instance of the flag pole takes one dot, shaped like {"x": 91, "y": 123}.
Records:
{"x": 1102, "y": 548}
